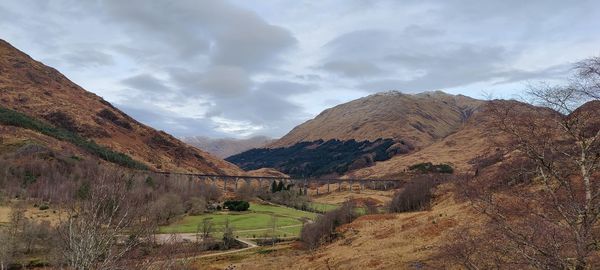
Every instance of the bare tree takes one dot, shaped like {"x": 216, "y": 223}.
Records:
{"x": 10, "y": 235}
{"x": 273, "y": 225}
{"x": 5, "y": 249}
{"x": 228, "y": 237}
{"x": 550, "y": 220}
{"x": 104, "y": 224}
{"x": 207, "y": 228}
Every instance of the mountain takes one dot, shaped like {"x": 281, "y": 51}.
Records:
{"x": 225, "y": 147}
{"x": 38, "y": 102}
{"x": 418, "y": 120}
{"x": 477, "y": 140}
{"x": 363, "y": 132}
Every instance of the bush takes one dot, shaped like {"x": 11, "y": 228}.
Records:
{"x": 428, "y": 167}
{"x": 44, "y": 207}
{"x": 415, "y": 196}
{"x": 323, "y": 229}
{"x": 236, "y": 205}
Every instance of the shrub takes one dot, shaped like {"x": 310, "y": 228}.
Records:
{"x": 428, "y": 167}
{"x": 323, "y": 229}
{"x": 236, "y": 205}
{"x": 196, "y": 206}
{"x": 44, "y": 207}
{"x": 415, "y": 196}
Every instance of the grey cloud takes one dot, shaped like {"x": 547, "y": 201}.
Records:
{"x": 358, "y": 44}
{"x": 225, "y": 33}
{"x": 309, "y": 77}
{"x": 88, "y": 58}
{"x": 267, "y": 106}
{"x": 225, "y": 81}
{"x": 252, "y": 45}
{"x": 6, "y": 15}
{"x": 285, "y": 89}
{"x": 165, "y": 120}
{"x": 146, "y": 82}
{"x": 553, "y": 72}
{"x": 445, "y": 68}
{"x": 353, "y": 68}
{"x": 219, "y": 81}
{"x": 459, "y": 67}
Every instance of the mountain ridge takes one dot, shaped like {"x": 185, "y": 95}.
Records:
{"x": 36, "y": 90}
{"x": 425, "y": 117}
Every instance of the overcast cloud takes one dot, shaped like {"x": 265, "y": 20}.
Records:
{"x": 239, "y": 68}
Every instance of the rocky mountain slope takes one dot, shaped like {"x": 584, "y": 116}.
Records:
{"x": 48, "y": 100}
{"x": 225, "y": 147}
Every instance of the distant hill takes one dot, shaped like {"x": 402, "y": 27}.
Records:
{"x": 476, "y": 140}
{"x": 39, "y": 105}
{"x": 225, "y": 147}
{"x": 418, "y": 120}
{"x": 362, "y": 133}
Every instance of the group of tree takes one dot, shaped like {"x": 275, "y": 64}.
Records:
{"x": 428, "y": 167}
{"x": 237, "y": 206}
{"x": 277, "y": 186}
{"x": 317, "y": 158}
{"x": 105, "y": 215}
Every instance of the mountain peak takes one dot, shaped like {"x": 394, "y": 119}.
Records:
{"x": 418, "y": 119}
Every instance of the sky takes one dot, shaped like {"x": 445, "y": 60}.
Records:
{"x": 240, "y": 68}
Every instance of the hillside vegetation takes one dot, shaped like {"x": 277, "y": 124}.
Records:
{"x": 12, "y": 118}
{"x": 318, "y": 158}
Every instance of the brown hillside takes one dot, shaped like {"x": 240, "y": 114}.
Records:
{"x": 477, "y": 138}
{"x": 417, "y": 119}
{"x": 42, "y": 92}
{"x": 267, "y": 172}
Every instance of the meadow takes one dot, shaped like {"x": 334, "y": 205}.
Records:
{"x": 256, "y": 222}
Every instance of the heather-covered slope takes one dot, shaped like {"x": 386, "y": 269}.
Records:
{"x": 43, "y": 93}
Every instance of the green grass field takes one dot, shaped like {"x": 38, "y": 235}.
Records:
{"x": 256, "y": 222}
{"x": 324, "y": 207}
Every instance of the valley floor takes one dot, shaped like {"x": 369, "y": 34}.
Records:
{"x": 384, "y": 241}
